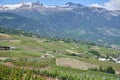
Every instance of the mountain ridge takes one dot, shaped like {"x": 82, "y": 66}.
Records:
{"x": 72, "y": 21}
{"x": 37, "y": 3}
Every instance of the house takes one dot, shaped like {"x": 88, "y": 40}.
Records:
{"x": 117, "y": 47}
{"x": 12, "y": 48}
{"x": 7, "y": 47}
{"x": 103, "y": 59}
{"x": 117, "y": 60}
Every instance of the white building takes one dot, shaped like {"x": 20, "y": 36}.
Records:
{"x": 103, "y": 59}
{"x": 117, "y": 60}
{"x": 12, "y": 47}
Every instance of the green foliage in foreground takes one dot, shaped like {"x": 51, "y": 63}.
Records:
{"x": 9, "y": 73}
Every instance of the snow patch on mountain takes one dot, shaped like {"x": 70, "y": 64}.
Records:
{"x": 14, "y": 6}
{"x": 10, "y": 6}
{"x": 115, "y": 13}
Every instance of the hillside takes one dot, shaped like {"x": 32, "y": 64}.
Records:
{"x": 42, "y": 53}
{"x": 52, "y": 45}
{"x": 74, "y": 21}
{"x": 17, "y": 22}
{"x": 60, "y": 42}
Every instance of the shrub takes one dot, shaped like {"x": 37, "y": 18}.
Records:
{"x": 110, "y": 70}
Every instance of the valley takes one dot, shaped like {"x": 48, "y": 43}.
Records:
{"x": 59, "y": 42}
{"x": 45, "y": 54}
{"x": 71, "y": 20}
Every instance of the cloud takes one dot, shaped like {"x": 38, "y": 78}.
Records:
{"x": 110, "y": 5}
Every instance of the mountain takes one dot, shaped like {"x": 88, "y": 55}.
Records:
{"x": 18, "y": 22}
{"x": 71, "y": 20}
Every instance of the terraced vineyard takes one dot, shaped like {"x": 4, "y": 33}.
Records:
{"x": 51, "y": 59}
{"x": 60, "y": 73}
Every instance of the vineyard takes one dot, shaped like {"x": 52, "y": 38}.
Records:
{"x": 8, "y": 73}
{"x": 40, "y": 59}
{"x": 54, "y": 73}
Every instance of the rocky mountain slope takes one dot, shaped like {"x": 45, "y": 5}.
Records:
{"x": 71, "y": 20}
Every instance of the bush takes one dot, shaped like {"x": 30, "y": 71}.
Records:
{"x": 110, "y": 70}
{"x": 101, "y": 69}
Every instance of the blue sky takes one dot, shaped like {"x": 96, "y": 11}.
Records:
{"x": 57, "y": 2}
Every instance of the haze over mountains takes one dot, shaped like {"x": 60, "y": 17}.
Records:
{"x": 71, "y": 20}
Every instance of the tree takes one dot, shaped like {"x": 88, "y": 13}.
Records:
{"x": 101, "y": 69}
{"x": 110, "y": 70}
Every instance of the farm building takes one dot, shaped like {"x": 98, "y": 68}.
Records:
{"x": 117, "y": 60}
{"x": 103, "y": 59}
{"x": 7, "y": 47}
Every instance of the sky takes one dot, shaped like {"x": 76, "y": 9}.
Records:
{"x": 108, "y": 4}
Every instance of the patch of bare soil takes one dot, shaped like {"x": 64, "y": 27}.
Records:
{"x": 4, "y": 36}
{"x": 74, "y": 63}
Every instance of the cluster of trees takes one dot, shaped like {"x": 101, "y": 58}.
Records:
{"x": 49, "y": 39}
{"x": 17, "y": 32}
{"x": 107, "y": 70}
{"x": 68, "y": 40}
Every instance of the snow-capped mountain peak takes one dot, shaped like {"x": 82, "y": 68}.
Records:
{"x": 67, "y": 7}
{"x": 10, "y": 6}
{"x": 15, "y": 6}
